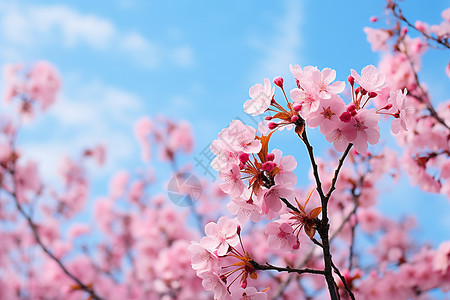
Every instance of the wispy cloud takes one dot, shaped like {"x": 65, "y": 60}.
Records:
{"x": 32, "y": 26}
{"x": 283, "y": 47}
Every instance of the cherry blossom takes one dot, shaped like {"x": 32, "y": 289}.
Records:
{"x": 261, "y": 96}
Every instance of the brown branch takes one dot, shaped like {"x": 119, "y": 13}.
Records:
{"x": 35, "y": 232}
{"x": 399, "y": 15}
{"x": 288, "y": 269}
{"x": 347, "y": 288}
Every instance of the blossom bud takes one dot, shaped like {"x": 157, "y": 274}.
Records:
{"x": 345, "y": 117}
{"x": 297, "y": 82}
{"x": 403, "y": 32}
{"x": 351, "y": 107}
{"x": 244, "y": 284}
{"x": 243, "y": 157}
{"x": 238, "y": 230}
{"x": 387, "y": 106}
{"x": 419, "y": 26}
{"x": 358, "y": 90}
{"x": 372, "y": 95}
{"x": 294, "y": 118}
{"x": 351, "y": 80}
{"x": 268, "y": 118}
{"x": 272, "y": 125}
{"x": 241, "y": 166}
{"x": 270, "y": 156}
{"x": 268, "y": 166}
{"x": 296, "y": 245}
{"x": 278, "y": 81}
{"x": 363, "y": 91}
{"x": 373, "y": 19}
{"x": 297, "y": 106}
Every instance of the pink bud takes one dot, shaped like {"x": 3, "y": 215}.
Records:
{"x": 244, "y": 284}
{"x": 268, "y": 118}
{"x": 272, "y": 125}
{"x": 387, "y": 106}
{"x": 373, "y": 19}
{"x": 363, "y": 91}
{"x": 278, "y": 81}
{"x": 270, "y": 156}
{"x": 297, "y": 82}
{"x": 345, "y": 117}
{"x": 297, "y": 106}
{"x": 243, "y": 157}
{"x": 351, "y": 80}
{"x": 238, "y": 230}
{"x": 296, "y": 245}
{"x": 241, "y": 166}
{"x": 294, "y": 118}
{"x": 403, "y": 32}
{"x": 372, "y": 95}
{"x": 351, "y": 107}
{"x": 358, "y": 90}
{"x": 268, "y": 166}
{"x": 419, "y": 26}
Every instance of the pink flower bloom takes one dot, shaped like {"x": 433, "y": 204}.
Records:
{"x": 338, "y": 138}
{"x": 142, "y": 129}
{"x": 240, "y": 137}
{"x": 327, "y": 116}
{"x": 233, "y": 184}
{"x": 181, "y": 138}
{"x": 286, "y": 166}
{"x": 202, "y": 259}
{"x": 212, "y": 282}
{"x": 281, "y": 236}
{"x": 377, "y": 38}
{"x": 220, "y": 236}
{"x": 225, "y": 157}
{"x": 245, "y": 208}
{"x": 405, "y": 111}
{"x": 371, "y": 80}
{"x": 118, "y": 184}
{"x": 271, "y": 203}
{"x": 249, "y": 293}
{"x": 309, "y": 100}
{"x": 365, "y": 126}
{"x": 261, "y": 97}
{"x": 44, "y": 83}
{"x": 441, "y": 261}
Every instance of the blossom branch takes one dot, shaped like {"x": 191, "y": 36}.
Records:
{"x": 288, "y": 269}
{"x": 399, "y": 15}
{"x": 344, "y": 281}
{"x": 34, "y": 230}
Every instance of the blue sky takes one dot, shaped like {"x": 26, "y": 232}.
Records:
{"x": 192, "y": 60}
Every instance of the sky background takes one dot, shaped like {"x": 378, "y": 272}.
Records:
{"x": 120, "y": 60}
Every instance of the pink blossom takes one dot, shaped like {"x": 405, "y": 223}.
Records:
{"x": 240, "y": 138}
{"x": 245, "y": 208}
{"x": 327, "y": 116}
{"x": 233, "y": 184}
{"x": 225, "y": 157}
{"x": 405, "y": 110}
{"x": 180, "y": 138}
{"x": 220, "y": 236}
{"x": 371, "y": 80}
{"x": 441, "y": 261}
{"x": 261, "y": 97}
{"x": 202, "y": 259}
{"x": 249, "y": 293}
{"x": 286, "y": 166}
{"x": 142, "y": 129}
{"x": 118, "y": 183}
{"x": 212, "y": 282}
{"x": 44, "y": 83}
{"x": 363, "y": 128}
{"x": 271, "y": 203}
{"x": 338, "y": 138}
{"x": 281, "y": 236}
{"x": 377, "y": 38}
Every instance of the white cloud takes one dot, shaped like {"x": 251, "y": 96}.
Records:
{"x": 31, "y": 26}
{"x": 95, "y": 114}
{"x": 283, "y": 48}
